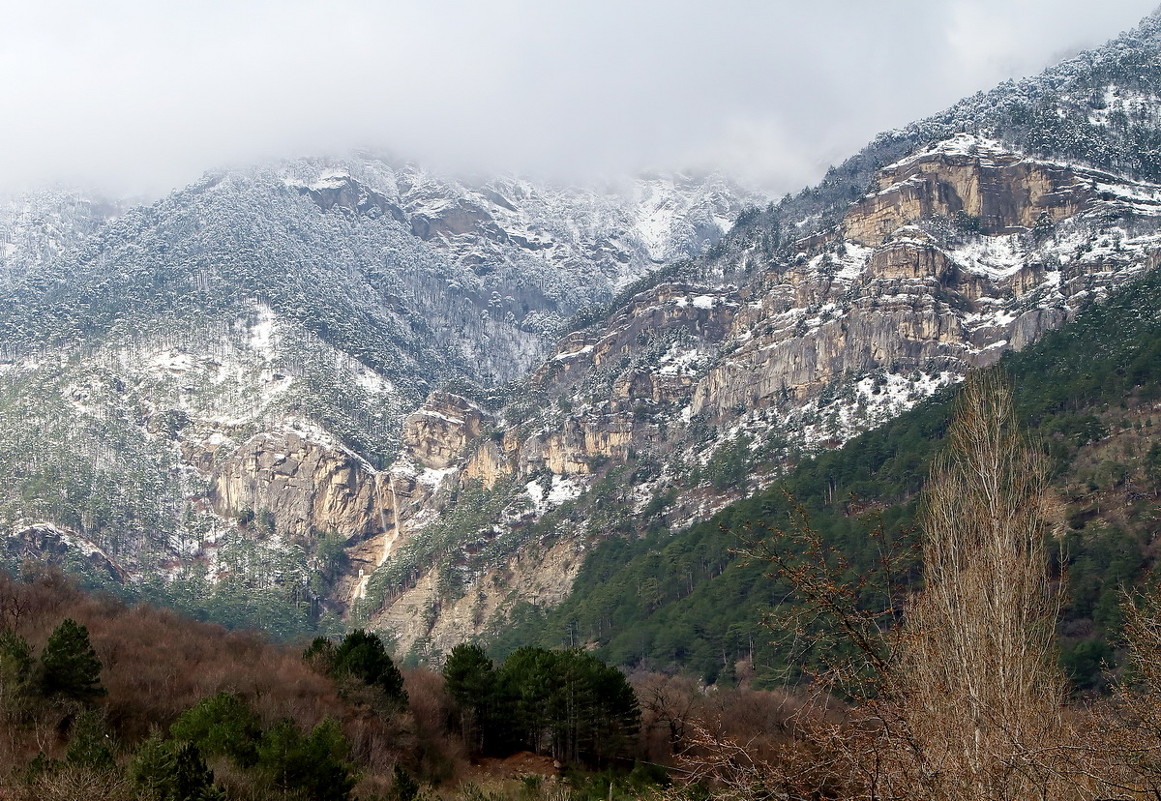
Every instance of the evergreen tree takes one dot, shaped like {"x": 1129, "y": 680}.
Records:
{"x": 90, "y": 745}
{"x": 363, "y": 656}
{"x": 320, "y": 655}
{"x": 568, "y": 703}
{"x": 166, "y": 770}
{"x": 16, "y": 672}
{"x": 315, "y": 764}
{"x": 69, "y": 665}
{"x": 221, "y": 725}
{"x": 470, "y": 678}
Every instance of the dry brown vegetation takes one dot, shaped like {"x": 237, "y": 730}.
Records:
{"x": 157, "y": 664}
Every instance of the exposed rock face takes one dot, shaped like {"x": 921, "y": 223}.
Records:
{"x": 901, "y": 289}
{"x": 542, "y": 576}
{"x": 1001, "y": 191}
{"x": 651, "y": 318}
{"x": 308, "y": 486}
{"x": 346, "y": 193}
{"x": 436, "y": 434}
{"x": 490, "y": 461}
{"x": 46, "y": 542}
{"x": 579, "y": 445}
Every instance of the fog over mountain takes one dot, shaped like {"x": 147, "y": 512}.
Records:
{"x": 142, "y": 99}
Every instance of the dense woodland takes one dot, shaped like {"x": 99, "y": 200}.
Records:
{"x": 1087, "y": 393}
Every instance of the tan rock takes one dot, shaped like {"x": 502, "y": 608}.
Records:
{"x": 436, "y": 434}
{"x": 309, "y": 487}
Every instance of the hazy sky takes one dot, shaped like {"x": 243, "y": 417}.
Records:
{"x": 144, "y": 96}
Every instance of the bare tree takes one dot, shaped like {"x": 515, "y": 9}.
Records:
{"x": 977, "y": 683}
{"x": 963, "y": 699}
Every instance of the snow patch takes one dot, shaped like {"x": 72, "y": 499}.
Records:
{"x": 455, "y": 421}
{"x": 432, "y": 477}
{"x": 573, "y": 354}
{"x": 993, "y": 257}
{"x": 563, "y": 489}
{"x": 172, "y": 361}
{"x": 679, "y": 361}
{"x": 863, "y": 405}
{"x": 262, "y": 334}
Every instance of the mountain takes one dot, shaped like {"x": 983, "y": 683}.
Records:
{"x": 283, "y": 318}
{"x": 328, "y": 392}
{"x": 935, "y": 250}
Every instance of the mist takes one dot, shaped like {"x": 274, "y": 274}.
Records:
{"x": 134, "y": 98}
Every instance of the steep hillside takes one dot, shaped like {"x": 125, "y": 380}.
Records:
{"x": 693, "y": 393}
{"x": 207, "y": 388}
{"x": 38, "y": 227}
{"x": 935, "y": 250}
{"x": 1089, "y": 393}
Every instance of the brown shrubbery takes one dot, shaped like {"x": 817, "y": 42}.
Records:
{"x": 157, "y": 664}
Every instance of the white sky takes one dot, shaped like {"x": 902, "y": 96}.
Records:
{"x": 143, "y": 96}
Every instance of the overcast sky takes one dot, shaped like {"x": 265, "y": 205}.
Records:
{"x": 143, "y": 97}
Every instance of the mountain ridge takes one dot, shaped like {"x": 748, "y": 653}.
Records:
{"x": 330, "y": 386}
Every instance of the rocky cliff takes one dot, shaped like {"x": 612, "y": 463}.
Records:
{"x": 303, "y": 485}
{"x": 963, "y": 251}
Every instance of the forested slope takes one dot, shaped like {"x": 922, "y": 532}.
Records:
{"x": 1087, "y": 392}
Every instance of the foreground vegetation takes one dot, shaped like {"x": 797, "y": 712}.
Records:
{"x": 102, "y": 700}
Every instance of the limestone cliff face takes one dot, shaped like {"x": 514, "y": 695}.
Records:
{"x": 1001, "y": 191}
{"x": 307, "y": 485}
{"x": 901, "y": 286}
{"x": 578, "y": 445}
{"x": 613, "y": 382}
{"x": 964, "y": 251}
{"x": 436, "y": 434}
{"x": 701, "y": 313}
{"x": 537, "y": 575}
{"x": 491, "y": 461}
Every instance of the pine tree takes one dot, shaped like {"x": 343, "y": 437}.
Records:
{"x": 223, "y": 725}
{"x": 169, "y": 770}
{"x": 16, "y": 672}
{"x": 363, "y": 656}
{"x": 90, "y": 744}
{"x": 470, "y": 678}
{"x": 69, "y": 665}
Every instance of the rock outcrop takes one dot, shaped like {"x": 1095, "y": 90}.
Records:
{"x": 309, "y": 487}
{"x": 996, "y": 190}
{"x": 435, "y": 435}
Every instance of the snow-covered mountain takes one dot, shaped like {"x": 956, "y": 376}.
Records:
{"x": 145, "y": 351}
{"x": 40, "y": 226}
{"x": 348, "y": 388}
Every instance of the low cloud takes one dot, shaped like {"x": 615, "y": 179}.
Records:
{"x": 145, "y": 97}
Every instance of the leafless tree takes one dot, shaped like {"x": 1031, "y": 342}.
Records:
{"x": 964, "y": 699}
{"x": 977, "y": 683}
